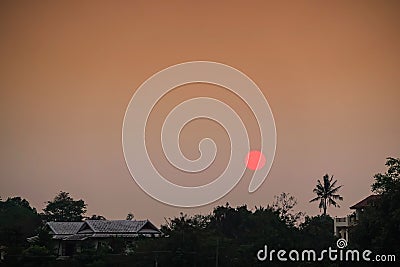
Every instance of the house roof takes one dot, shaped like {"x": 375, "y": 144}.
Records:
{"x": 70, "y": 231}
{"x": 65, "y": 228}
{"x": 115, "y": 226}
{"x": 366, "y": 202}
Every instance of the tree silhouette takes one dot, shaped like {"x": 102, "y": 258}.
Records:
{"x": 284, "y": 204}
{"x": 327, "y": 193}
{"x": 390, "y": 180}
{"x": 378, "y": 228}
{"x": 18, "y": 221}
{"x": 64, "y": 208}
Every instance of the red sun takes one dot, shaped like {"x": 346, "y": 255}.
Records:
{"x": 255, "y": 160}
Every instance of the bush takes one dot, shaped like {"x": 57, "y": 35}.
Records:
{"x": 37, "y": 251}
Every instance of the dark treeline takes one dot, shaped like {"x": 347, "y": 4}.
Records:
{"x": 228, "y": 236}
{"x": 232, "y": 237}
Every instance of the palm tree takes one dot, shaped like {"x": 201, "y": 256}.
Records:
{"x": 327, "y": 193}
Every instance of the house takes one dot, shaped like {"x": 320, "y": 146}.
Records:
{"x": 369, "y": 201}
{"x": 74, "y": 237}
{"x": 342, "y": 225}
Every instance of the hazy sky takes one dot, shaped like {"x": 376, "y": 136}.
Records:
{"x": 68, "y": 70}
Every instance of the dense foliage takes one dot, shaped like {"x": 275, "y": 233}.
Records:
{"x": 232, "y": 237}
{"x": 64, "y": 208}
{"x": 379, "y": 225}
{"x": 18, "y": 221}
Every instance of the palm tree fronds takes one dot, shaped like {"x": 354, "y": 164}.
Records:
{"x": 326, "y": 192}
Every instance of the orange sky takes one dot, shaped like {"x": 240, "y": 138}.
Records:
{"x": 69, "y": 68}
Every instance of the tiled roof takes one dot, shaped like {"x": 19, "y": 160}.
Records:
{"x": 118, "y": 226}
{"x": 368, "y": 201}
{"x": 100, "y": 229}
{"x": 65, "y": 228}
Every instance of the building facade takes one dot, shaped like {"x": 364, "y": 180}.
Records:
{"x": 342, "y": 225}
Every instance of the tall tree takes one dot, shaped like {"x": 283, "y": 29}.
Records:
{"x": 378, "y": 228}
{"x": 65, "y": 208}
{"x": 284, "y": 204}
{"x": 327, "y": 193}
{"x": 388, "y": 182}
{"x": 18, "y": 220}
